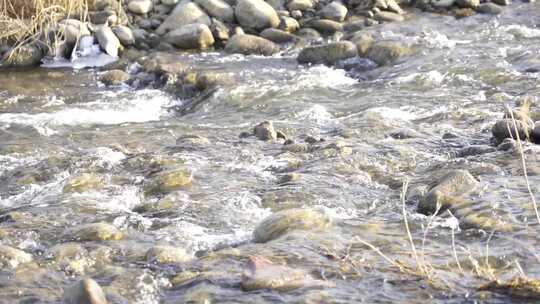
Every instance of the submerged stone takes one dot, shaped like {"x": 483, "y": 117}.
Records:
{"x": 448, "y": 191}
{"x": 86, "y": 291}
{"x": 261, "y": 273}
{"x": 170, "y": 180}
{"x": 167, "y": 254}
{"x": 83, "y": 182}
{"x": 114, "y": 77}
{"x": 96, "y": 232}
{"x": 12, "y": 257}
{"x": 387, "y": 52}
{"x": 281, "y": 222}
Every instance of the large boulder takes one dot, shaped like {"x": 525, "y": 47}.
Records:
{"x": 334, "y": 11}
{"x": 218, "y": 9}
{"x": 183, "y": 14}
{"x": 107, "y": 40}
{"x": 250, "y": 45}
{"x": 387, "y": 52}
{"x": 256, "y": 14}
{"x": 284, "y": 221}
{"x": 265, "y": 131}
{"x": 86, "y": 291}
{"x": 328, "y": 54}
{"x": 191, "y": 36}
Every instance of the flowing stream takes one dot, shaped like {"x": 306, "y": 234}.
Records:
{"x": 56, "y": 124}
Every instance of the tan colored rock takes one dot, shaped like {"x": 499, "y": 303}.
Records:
{"x": 281, "y": 222}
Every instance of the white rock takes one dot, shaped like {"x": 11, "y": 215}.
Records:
{"x": 140, "y": 6}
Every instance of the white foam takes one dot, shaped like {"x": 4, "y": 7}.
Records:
{"x": 521, "y": 31}
{"x": 316, "y": 113}
{"x": 426, "y": 78}
{"x": 323, "y": 76}
{"x": 148, "y": 105}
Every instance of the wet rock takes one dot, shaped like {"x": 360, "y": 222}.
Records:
{"x": 96, "y": 232}
{"x": 124, "y": 34}
{"x": 107, "y": 40}
{"x": 192, "y": 139}
{"x": 388, "y": 17}
{"x": 218, "y": 9}
{"x": 191, "y": 36}
{"x": 468, "y": 3}
{"x": 278, "y": 36}
{"x": 265, "y": 131}
{"x": 86, "y": 291}
{"x": 506, "y": 128}
{"x": 284, "y": 221}
{"x": 287, "y": 178}
{"x": 170, "y": 180}
{"x": 12, "y": 257}
{"x": 183, "y": 14}
{"x": 393, "y": 6}
{"x": 170, "y": 2}
{"x": 167, "y": 254}
{"x": 220, "y": 31}
{"x": 363, "y": 43}
{"x": 261, "y": 273}
{"x": 443, "y": 4}
{"x": 23, "y": 56}
{"x": 464, "y": 12}
{"x": 489, "y": 8}
{"x": 256, "y": 14}
{"x": 250, "y": 45}
{"x": 386, "y": 52}
{"x": 448, "y": 191}
{"x": 334, "y": 11}
{"x": 519, "y": 287}
{"x": 140, "y": 6}
{"x": 328, "y": 54}
{"x": 502, "y": 2}
{"x": 308, "y": 33}
{"x": 325, "y": 26}
{"x": 289, "y": 24}
{"x": 73, "y": 30}
{"x": 83, "y": 182}
{"x": 300, "y": 5}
